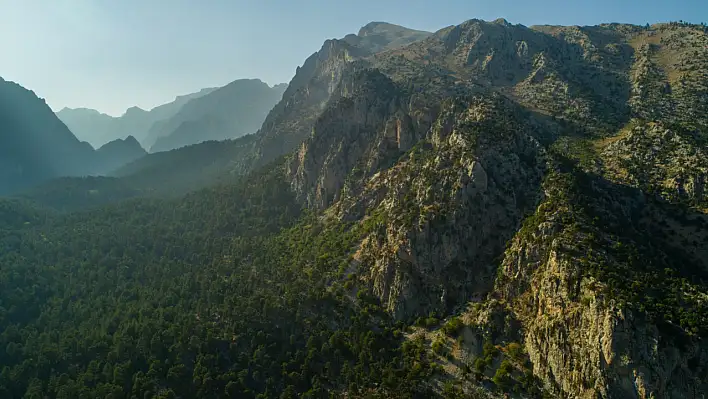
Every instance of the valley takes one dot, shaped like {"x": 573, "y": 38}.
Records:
{"x": 485, "y": 211}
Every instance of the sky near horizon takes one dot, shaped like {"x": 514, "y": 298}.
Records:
{"x": 111, "y": 55}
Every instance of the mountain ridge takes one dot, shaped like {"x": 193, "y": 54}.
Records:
{"x": 490, "y": 211}
{"x": 233, "y": 110}
{"x": 133, "y": 122}
{"x": 37, "y": 146}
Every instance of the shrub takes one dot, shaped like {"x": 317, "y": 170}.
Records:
{"x": 453, "y": 326}
{"x": 502, "y": 376}
{"x": 480, "y": 365}
{"x": 431, "y": 322}
{"x": 515, "y": 350}
{"x": 439, "y": 346}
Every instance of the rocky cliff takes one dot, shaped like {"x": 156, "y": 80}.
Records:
{"x": 545, "y": 184}
{"x": 528, "y": 203}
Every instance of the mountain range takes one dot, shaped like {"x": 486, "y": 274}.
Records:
{"x": 490, "y": 210}
{"x": 211, "y": 114}
{"x": 226, "y": 113}
{"x": 35, "y": 146}
{"x": 98, "y": 129}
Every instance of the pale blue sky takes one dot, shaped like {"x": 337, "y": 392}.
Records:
{"x": 112, "y": 54}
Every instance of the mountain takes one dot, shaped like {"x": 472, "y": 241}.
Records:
{"x": 98, "y": 129}
{"x": 186, "y": 169}
{"x": 34, "y": 144}
{"x": 550, "y": 175}
{"x": 381, "y": 36}
{"x": 491, "y": 211}
{"x": 90, "y": 125}
{"x": 229, "y": 112}
{"x": 119, "y": 152}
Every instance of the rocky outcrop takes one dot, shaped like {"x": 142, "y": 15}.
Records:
{"x": 317, "y": 80}
{"x": 583, "y": 336}
{"x": 368, "y": 125}
{"x": 382, "y": 36}
{"x": 438, "y": 218}
{"x": 669, "y": 162}
{"x": 601, "y": 285}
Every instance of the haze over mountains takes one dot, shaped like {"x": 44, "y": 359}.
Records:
{"x": 226, "y": 113}
{"x": 211, "y": 114}
{"x": 98, "y": 129}
{"x": 36, "y": 146}
{"x": 486, "y": 211}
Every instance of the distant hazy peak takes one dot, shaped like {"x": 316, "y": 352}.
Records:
{"x": 247, "y": 81}
{"x": 83, "y": 110}
{"x": 134, "y": 110}
{"x": 200, "y": 93}
{"x": 129, "y": 140}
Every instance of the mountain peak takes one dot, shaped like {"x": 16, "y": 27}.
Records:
{"x": 86, "y": 111}
{"x": 134, "y": 110}
{"x": 379, "y": 27}
{"x": 200, "y": 93}
{"x": 380, "y": 36}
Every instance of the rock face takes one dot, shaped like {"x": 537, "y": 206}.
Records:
{"x": 535, "y": 172}
{"x": 441, "y": 216}
{"x": 544, "y": 185}
{"x": 584, "y": 334}
{"x": 658, "y": 158}
{"x": 308, "y": 93}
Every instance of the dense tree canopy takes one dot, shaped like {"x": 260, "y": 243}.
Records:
{"x": 229, "y": 292}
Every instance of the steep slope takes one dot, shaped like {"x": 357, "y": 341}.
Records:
{"x": 602, "y": 291}
{"x": 611, "y": 302}
{"x": 90, "y": 125}
{"x": 314, "y": 83}
{"x": 34, "y": 144}
{"x": 98, "y": 129}
{"x": 480, "y": 175}
{"x": 285, "y": 127}
{"x": 231, "y": 111}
